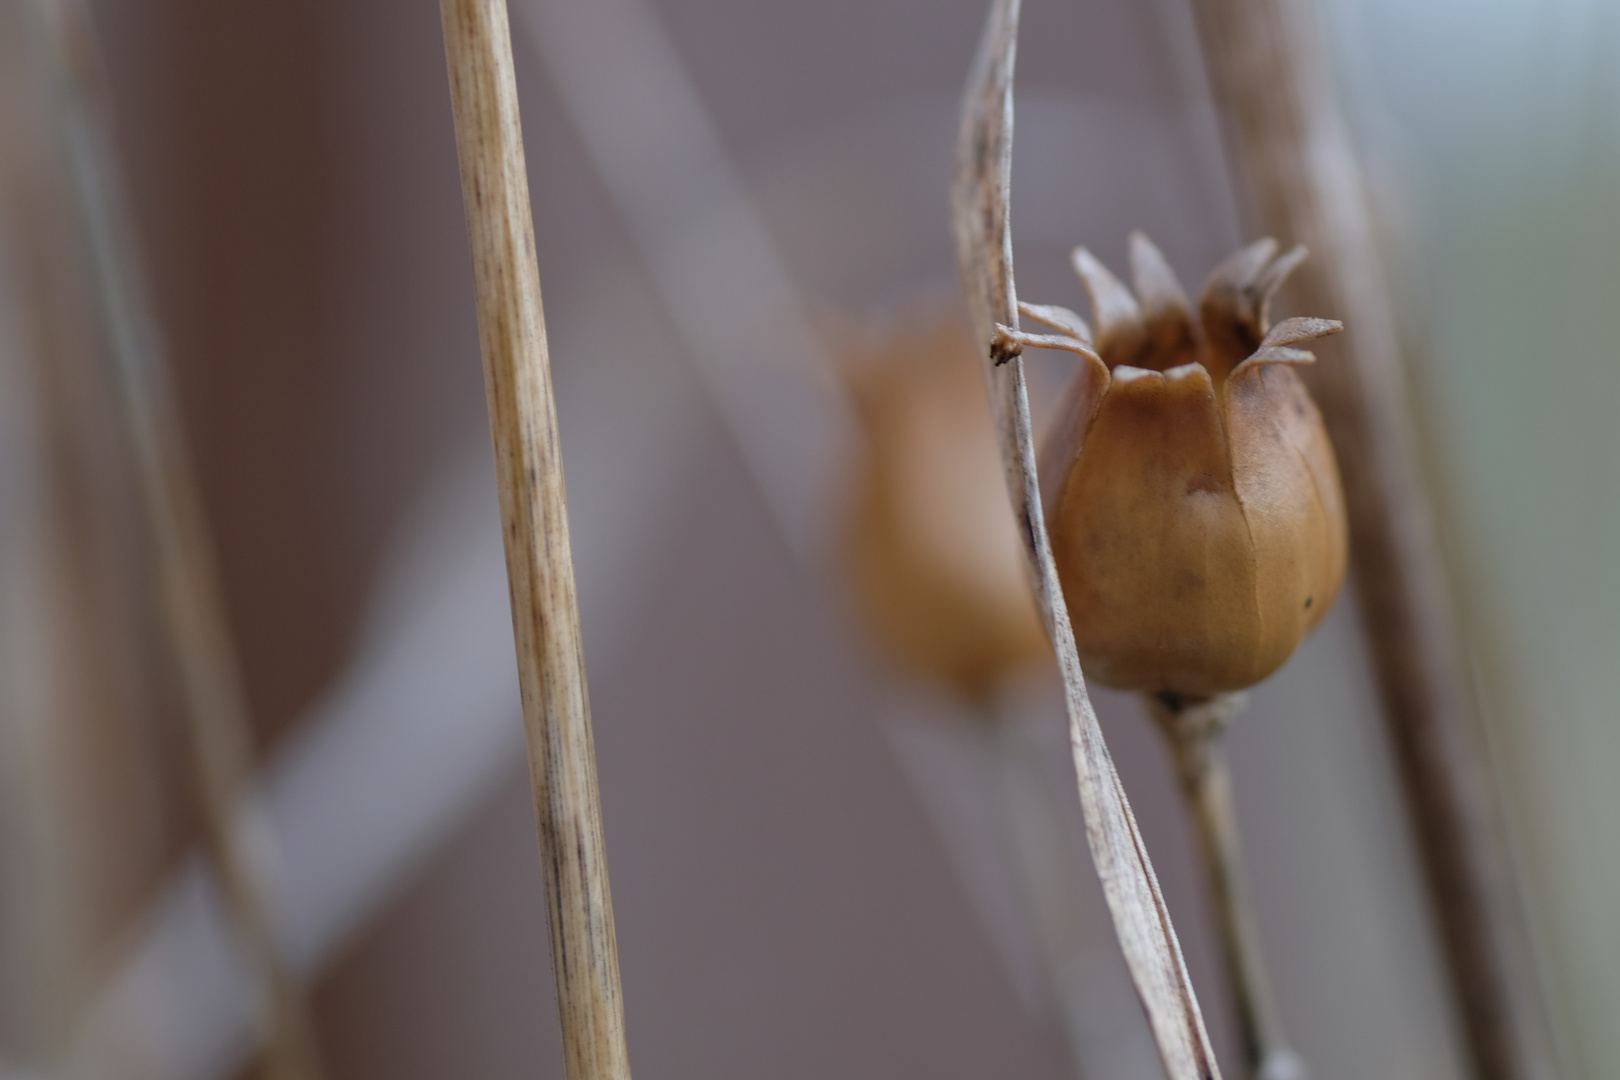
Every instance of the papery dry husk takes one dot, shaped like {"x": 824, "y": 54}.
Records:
{"x": 1195, "y": 510}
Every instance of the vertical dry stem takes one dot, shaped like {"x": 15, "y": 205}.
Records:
{"x": 539, "y": 563}
{"x": 980, "y": 196}
{"x": 1270, "y": 75}
{"x": 218, "y": 728}
{"x": 1193, "y": 730}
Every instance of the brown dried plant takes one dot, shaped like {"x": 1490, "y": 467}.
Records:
{"x": 979, "y": 199}
{"x": 1193, "y": 499}
{"x": 1197, "y": 528}
{"x": 1199, "y": 532}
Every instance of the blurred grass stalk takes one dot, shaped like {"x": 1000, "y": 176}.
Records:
{"x": 1269, "y": 73}
{"x": 80, "y": 802}
{"x": 534, "y": 513}
{"x": 44, "y": 929}
{"x": 217, "y": 725}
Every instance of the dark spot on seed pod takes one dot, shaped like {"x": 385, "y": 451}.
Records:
{"x": 1309, "y": 600}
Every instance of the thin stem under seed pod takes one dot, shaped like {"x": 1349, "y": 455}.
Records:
{"x": 539, "y": 560}
{"x": 218, "y": 729}
{"x": 1193, "y": 728}
{"x": 1270, "y": 76}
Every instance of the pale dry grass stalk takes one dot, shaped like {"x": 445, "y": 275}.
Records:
{"x": 980, "y": 192}
{"x": 1193, "y": 730}
{"x": 217, "y": 725}
{"x": 534, "y": 513}
{"x": 1271, "y": 77}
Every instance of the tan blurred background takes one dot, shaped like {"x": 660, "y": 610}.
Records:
{"x": 803, "y": 880}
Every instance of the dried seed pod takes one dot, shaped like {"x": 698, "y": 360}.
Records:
{"x": 1193, "y": 500}
{"x": 935, "y": 558}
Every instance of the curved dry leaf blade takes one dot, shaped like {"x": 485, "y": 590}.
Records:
{"x": 979, "y": 190}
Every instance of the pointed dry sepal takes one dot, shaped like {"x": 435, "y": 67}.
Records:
{"x": 1166, "y": 317}
{"x": 1121, "y": 335}
{"x": 979, "y": 199}
{"x": 1276, "y": 346}
{"x": 1301, "y": 328}
{"x": 1235, "y": 306}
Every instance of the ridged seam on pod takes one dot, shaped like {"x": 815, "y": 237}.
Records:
{"x": 1193, "y": 500}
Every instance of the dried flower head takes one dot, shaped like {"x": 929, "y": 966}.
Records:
{"x": 1191, "y": 493}
{"x": 935, "y": 557}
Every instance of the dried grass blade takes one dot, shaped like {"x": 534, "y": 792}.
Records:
{"x": 539, "y": 558}
{"x": 979, "y": 201}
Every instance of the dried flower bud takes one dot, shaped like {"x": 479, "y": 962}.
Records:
{"x": 1190, "y": 490}
{"x": 933, "y": 551}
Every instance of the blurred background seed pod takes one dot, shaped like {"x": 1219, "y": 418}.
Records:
{"x": 932, "y": 552}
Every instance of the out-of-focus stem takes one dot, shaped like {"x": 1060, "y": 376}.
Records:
{"x": 217, "y": 725}
{"x": 1271, "y": 77}
{"x": 1193, "y": 728}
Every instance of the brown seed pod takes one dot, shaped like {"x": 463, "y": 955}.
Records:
{"x": 933, "y": 553}
{"x": 1192, "y": 497}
